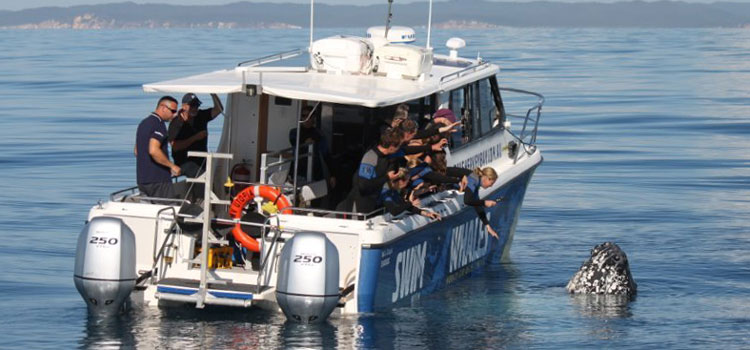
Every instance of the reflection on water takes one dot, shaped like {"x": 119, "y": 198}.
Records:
{"x": 602, "y": 305}
{"x": 485, "y": 308}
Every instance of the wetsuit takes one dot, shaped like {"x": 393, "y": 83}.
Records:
{"x": 471, "y": 197}
{"x": 423, "y": 172}
{"x": 394, "y": 202}
{"x": 368, "y": 182}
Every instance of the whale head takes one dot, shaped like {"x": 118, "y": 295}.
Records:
{"x": 605, "y": 272}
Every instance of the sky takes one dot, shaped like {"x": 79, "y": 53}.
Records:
{"x": 20, "y": 5}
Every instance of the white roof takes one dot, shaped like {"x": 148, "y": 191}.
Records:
{"x": 301, "y": 83}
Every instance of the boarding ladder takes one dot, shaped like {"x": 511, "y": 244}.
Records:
{"x": 209, "y": 198}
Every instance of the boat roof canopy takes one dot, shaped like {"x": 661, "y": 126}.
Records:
{"x": 305, "y": 84}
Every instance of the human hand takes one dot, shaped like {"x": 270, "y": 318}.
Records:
{"x": 392, "y": 174}
{"x": 201, "y": 135}
{"x": 175, "y": 170}
{"x": 462, "y": 184}
{"x": 492, "y": 232}
{"x": 439, "y": 145}
{"x": 431, "y": 214}
{"x": 489, "y": 203}
{"x": 450, "y": 127}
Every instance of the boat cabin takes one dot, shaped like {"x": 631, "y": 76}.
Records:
{"x": 351, "y": 106}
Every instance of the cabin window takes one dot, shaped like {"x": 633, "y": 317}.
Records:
{"x": 422, "y": 109}
{"x": 477, "y": 128}
{"x": 499, "y": 116}
{"x": 457, "y": 105}
{"x": 486, "y": 105}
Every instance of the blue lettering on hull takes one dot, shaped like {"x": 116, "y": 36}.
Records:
{"x": 438, "y": 254}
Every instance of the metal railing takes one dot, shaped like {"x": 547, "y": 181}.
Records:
{"x": 455, "y": 75}
{"x": 527, "y": 136}
{"x": 272, "y": 58}
{"x": 284, "y": 161}
{"x": 267, "y": 252}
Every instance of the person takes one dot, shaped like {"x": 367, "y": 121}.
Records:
{"x": 483, "y": 178}
{"x": 372, "y": 174}
{"x": 420, "y": 172}
{"x": 153, "y": 168}
{"x": 311, "y": 134}
{"x": 189, "y": 132}
{"x": 392, "y": 197}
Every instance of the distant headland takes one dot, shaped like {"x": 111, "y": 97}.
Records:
{"x": 453, "y": 14}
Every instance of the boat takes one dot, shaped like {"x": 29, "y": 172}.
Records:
{"x": 311, "y": 260}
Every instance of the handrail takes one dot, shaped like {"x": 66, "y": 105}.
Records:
{"x": 264, "y": 165}
{"x": 344, "y": 213}
{"x": 271, "y": 58}
{"x": 277, "y": 233}
{"x": 458, "y": 74}
{"x": 530, "y": 145}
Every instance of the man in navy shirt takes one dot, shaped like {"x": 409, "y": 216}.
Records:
{"x": 189, "y": 132}
{"x": 153, "y": 168}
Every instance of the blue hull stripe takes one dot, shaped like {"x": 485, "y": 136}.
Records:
{"x": 217, "y": 294}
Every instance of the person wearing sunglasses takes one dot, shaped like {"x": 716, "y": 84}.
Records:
{"x": 189, "y": 132}
{"x": 153, "y": 168}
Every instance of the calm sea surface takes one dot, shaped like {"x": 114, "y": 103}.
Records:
{"x": 646, "y": 139}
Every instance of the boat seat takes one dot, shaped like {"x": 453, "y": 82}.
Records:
{"x": 278, "y": 174}
{"x": 314, "y": 190}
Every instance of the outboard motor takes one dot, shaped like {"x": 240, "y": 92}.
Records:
{"x": 105, "y": 265}
{"x": 307, "y": 288}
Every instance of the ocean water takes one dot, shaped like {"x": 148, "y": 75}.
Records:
{"x": 646, "y": 140}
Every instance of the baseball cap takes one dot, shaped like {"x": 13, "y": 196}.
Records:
{"x": 191, "y": 99}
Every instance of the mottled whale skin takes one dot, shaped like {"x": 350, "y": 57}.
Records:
{"x": 606, "y": 272}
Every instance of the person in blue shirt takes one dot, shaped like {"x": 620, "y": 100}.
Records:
{"x": 480, "y": 178}
{"x": 153, "y": 167}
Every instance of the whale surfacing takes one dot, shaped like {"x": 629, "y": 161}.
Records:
{"x": 606, "y": 272}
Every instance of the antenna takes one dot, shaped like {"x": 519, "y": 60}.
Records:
{"x": 388, "y": 19}
{"x": 429, "y": 26}
{"x": 312, "y": 19}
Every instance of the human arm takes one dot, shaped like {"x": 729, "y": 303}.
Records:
{"x": 491, "y": 231}
{"x": 438, "y": 178}
{"x": 154, "y": 149}
{"x": 396, "y": 206}
{"x": 371, "y": 178}
{"x": 450, "y": 127}
{"x": 218, "y": 107}
{"x": 179, "y": 145}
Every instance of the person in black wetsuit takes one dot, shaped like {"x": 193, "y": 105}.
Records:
{"x": 373, "y": 172}
{"x": 392, "y": 197}
{"x": 483, "y": 178}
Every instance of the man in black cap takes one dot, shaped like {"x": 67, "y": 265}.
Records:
{"x": 188, "y": 132}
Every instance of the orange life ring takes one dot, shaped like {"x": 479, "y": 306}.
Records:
{"x": 239, "y": 203}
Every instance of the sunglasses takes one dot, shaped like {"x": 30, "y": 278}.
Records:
{"x": 170, "y": 109}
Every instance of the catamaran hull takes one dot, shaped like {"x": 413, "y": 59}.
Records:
{"x": 423, "y": 261}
